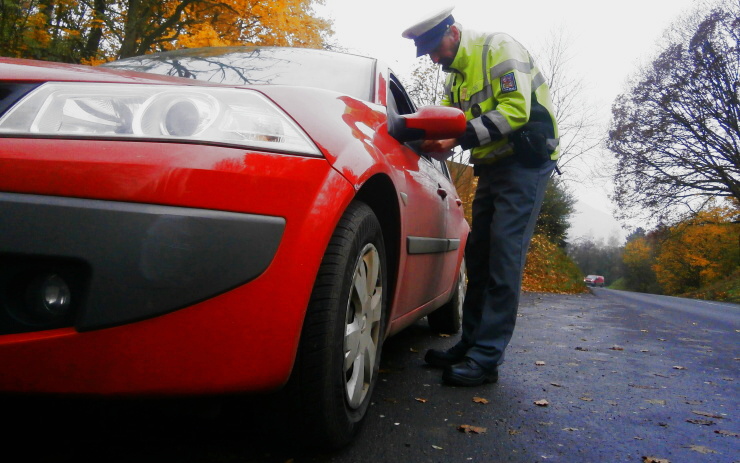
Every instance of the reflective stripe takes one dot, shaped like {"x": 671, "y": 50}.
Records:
{"x": 552, "y": 143}
{"x": 484, "y": 136}
{"x": 499, "y": 121}
{"x": 486, "y": 44}
{"x": 477, "y": 98}
{"x": 509, "y": 65}
{"x": 538, "y": 80}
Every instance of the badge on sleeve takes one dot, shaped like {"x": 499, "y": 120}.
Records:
{"x": 508, "y": 83}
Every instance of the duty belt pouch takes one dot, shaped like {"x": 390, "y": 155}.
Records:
{"x": 530, "y": 144}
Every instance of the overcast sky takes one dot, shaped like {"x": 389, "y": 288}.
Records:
{"x": 608, "y": 42}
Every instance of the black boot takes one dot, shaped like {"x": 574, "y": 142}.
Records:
{"x": 446, "y": 358}
{"x": 469, "y": 373}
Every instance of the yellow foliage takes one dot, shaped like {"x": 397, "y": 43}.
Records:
{"x": 548, "y": 269}
{"x": 699, "y": 252}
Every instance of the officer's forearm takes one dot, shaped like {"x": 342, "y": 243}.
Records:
{"x": 473, "y": 138}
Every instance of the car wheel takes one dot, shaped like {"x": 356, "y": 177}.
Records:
{"x": 448, "y": 318}
{"x": 343, "y": 332}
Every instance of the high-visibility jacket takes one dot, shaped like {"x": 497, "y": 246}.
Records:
{"x": 496, "y": 83}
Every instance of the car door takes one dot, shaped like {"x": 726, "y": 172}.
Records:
{"x": 424, "y": 209}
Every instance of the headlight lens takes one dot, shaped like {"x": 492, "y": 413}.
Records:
{"x": 212, "y": 115}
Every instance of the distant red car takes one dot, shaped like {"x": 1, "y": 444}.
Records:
{"x": 594, "y": 280}
{"x": 246, "y": 215}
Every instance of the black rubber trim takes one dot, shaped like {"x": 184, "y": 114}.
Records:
{"x": 424, "y": 245}
{"x": 145, "y": 260}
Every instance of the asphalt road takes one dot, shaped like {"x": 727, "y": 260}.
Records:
{"x": 622, "y": 375}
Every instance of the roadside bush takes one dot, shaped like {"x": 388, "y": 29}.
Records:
{"x": 549, "y": 269}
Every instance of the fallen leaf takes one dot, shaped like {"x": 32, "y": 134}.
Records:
{"x": 662, "y": 339}
{"x": 655, "y": 401}
{"x": 480, "y": 400}
{"x": 665, "y": 425}
{"x": 654, "y": 460}
{"x": 644, "y": 331}
{"x": 556, "y": 385}
{"x": 611, "y": 402}
{"x": 546, "y": 423}
{"x": 701, "y": 449}
{"x": 436, "y": 447}
{"x": 638, "y": 438}
{"x": 583, "y": 349}
{"x": 707, "y": 414}
{"x": 413, "y": 350}
{"x": 694, "y": 402}
{"x": 702, "y": 422}
{"x": 662, "y": 376}
{"x": 644, "y": 350}
{"x": 726, "y": 433}
{"x": 443, "y": 335}
{"x": 539, "y": 363}
{"x": 514, "y": 432}
{"x": 418, "y": 399}
{"x": 678, "y": 367}
{"x": 542, "y": 403}
{"x": 616, "y": 348}
{"x": 466, "y": 428}
{"x": 570, "y": 429}
{"x": 587, "y": 399}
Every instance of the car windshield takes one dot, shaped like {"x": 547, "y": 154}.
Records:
{"x": 344, "y": 73}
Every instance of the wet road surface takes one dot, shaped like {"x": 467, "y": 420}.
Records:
{"x": 602, "y": 377}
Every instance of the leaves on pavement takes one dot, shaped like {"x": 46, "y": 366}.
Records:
{"x": 480, "y": 400}
{"x": 616, "y": 348}
{"x": 701, "y": 449}
{"x": 702, "y": 422}
{"x": 726, "y": 433}
{"x": 709, "y": 415}
{"x": 539, "y": 363}
{"x": 541, "y": 403}
{"x": 419, "y": 399}
{"x": 654, "y": 460}
{"x": 468, "y": 429}
{"x": 655, "y": 401}
{"x": 679, "y": 367}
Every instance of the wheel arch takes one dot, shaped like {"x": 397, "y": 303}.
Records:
{"x": 379, "y": 193}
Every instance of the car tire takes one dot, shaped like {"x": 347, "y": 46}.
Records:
{"x": 448, "y": 318}
{"x": 339, "y": 352}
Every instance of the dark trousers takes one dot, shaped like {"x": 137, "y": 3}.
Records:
{"x": 507, "y": 201}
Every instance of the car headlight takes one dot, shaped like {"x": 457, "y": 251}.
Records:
{"x": 174, "y": 113}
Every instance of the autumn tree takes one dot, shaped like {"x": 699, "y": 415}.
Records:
{"x": 92, "y": 31}
{"x": 638, "y": 259}
{"x": 675, "y": 130}
{"x": 699, "y": 251}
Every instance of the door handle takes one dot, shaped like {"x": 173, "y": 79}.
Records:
{"x": 442, "y": 192}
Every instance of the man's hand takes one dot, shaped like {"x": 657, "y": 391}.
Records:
{"x": 439, "y": 149}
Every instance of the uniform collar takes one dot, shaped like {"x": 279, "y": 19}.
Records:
{"x": 462, "y": 58}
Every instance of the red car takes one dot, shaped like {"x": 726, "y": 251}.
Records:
{"x": 594, "y": 280}
{"x": 217, "y": 221}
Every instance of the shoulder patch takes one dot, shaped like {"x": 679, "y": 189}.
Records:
{"x": 508, "y": 83}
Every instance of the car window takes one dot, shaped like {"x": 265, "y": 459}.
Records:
{"x": 402, "y": 104}
{"x": 349, "y": 74}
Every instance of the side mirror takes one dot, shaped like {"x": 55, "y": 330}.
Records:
{"x": 428, "y": 123}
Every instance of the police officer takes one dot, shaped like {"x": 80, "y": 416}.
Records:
{"x": 513, "y": 141}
